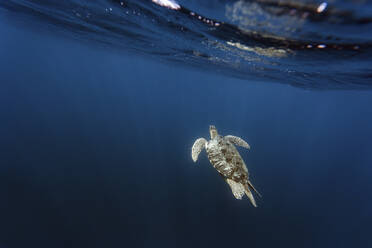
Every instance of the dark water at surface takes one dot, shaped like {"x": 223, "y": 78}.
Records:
{"x": 308, "y": 44}
{"x": 95, "y": 147}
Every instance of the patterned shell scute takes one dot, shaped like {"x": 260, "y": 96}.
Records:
{"x": 226, "y": 159}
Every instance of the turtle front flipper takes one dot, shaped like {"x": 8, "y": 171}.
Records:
{"x": 197, "y": 147}
{"x": 237, "y": 141}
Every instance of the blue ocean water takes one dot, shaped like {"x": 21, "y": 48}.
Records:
{"x": 97, "y": 124}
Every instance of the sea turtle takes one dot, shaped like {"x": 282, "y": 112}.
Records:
{"x": 226, "y": 159}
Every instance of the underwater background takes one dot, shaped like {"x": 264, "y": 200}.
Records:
{"x": 101, "y": 101}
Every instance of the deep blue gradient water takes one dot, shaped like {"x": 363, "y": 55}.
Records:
{"x": 95, "y": 146}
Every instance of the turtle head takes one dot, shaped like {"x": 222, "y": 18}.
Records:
{"x": 213, "y": 131}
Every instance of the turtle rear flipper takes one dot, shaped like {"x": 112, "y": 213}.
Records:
{"x": 250, "y": 195}
{"x": 237, "y": 189}
{"x": 254, "y": 189}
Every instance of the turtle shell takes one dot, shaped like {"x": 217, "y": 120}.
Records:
{"x": 226, "y": 159}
